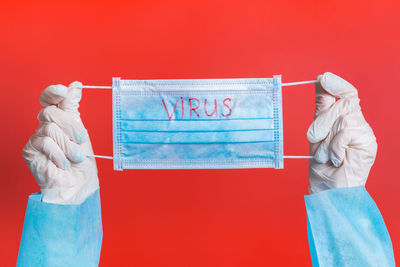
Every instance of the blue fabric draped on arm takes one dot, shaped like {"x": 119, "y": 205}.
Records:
{"x": 345, "y": 228}
{"x": 61, "y": 235}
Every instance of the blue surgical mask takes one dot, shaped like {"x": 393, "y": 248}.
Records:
{"x": 197, "y": 124}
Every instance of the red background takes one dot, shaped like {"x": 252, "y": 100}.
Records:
{"x": 250, "y": 217}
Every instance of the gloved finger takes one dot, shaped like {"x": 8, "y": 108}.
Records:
{"x": 71, "y": 150}
{"x": 337, "y": 86}
{"x": 53, "y": 95}
{"x": 323, "y": 100}
{"x": 338, "y": 146}
{"x": 322, "y": 153}
{"x": 48, "y": 147}
{"x": 42, "y": 168}
{"x": 71, "y": 102}
{"x": 69, "y": 122}
{"x": 357, "y": 157}
{"x": 29, "y": 153}
{"x": 363, "y": 137}
{"x": 323, "y": 123}
{"x": 355, "y": 134}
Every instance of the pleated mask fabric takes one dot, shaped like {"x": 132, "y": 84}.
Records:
{"x": 197, "y": 124}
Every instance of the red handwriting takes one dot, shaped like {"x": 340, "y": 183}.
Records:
{"x": 166, "y": 109}
{"x": 183, "y": 109}
{"x": 195, "y": 108}
{"x": 215, "y": 108}
{"x": 192, "y": 108}
{"x": 226, "y": 105}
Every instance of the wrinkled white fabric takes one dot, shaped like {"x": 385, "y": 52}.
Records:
{"x": 56, "y": 153}
{"x": 341, "y": 141}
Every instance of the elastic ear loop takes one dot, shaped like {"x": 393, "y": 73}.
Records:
{"x": 283, "y": 84}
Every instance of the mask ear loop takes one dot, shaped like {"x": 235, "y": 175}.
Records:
{"x": 298, "y": 83}
{"x": 283, "y": 84}
{"x": 99, "y": 156}
{"x": 291, "y": 84}
{"x": 96, "y": 87}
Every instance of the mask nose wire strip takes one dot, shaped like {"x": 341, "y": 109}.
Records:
{"x": 110, "y": 87}
{"x": 283, "y": 84}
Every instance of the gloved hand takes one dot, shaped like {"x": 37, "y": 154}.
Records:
{"x": 341, "y": 141}
{"x": 57, "y": 153}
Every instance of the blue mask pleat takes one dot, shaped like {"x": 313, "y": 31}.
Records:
{"x": 180, "y": 124}
{"x": 238, "y": 136}
{"x": 198, "y": 125}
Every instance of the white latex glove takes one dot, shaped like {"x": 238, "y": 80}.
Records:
{"x": 341, "y": 141}
{"x": 56, "y": 153}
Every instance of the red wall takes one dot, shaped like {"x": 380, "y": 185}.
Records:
{"x": 205, "y": 217}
